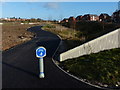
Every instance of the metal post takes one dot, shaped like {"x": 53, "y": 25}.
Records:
{"x": 41, "y": 68}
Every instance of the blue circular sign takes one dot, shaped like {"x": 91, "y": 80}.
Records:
{"x": 40, "y": 52}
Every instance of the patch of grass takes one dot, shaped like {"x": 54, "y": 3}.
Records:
{"x": 69, "y": 36}
{"x": 65, "y": 33}
{"x": 49, "y": 26}
{"x": 103, "y": 67}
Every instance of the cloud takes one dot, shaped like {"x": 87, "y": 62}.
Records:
{"x": 51, "y": 5}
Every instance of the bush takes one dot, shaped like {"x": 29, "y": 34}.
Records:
{"x": 89, "y": 27}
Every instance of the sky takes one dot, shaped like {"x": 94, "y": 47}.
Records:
{"x": 59, "y": 0}
{"x": 55, "y": 10}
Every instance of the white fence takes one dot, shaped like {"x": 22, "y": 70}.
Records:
{"x": 105, "y": 42}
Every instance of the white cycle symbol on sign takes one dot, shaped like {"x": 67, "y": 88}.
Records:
{"x": 40, "y": 52}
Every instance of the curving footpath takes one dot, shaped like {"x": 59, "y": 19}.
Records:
{"x": 20, "y": 65}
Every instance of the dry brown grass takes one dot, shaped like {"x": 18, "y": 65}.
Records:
{"x": 69, "y": 36}
{"x": 14, "y": 34}
{"x": 64, "y": 32}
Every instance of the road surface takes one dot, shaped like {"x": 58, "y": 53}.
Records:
{"x": 20, "y": 65}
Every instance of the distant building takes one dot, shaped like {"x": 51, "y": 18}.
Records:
{"x": 78, "y": 18}
{"x": 65, "y": 20}
{"x": 90, "y": 17}
{"x": 14, "y": 19}
{"x": 94, "y": 18}
{"x": 119, "y": 5}
{"x": 104, "y": 17}
{"x": 116, "y": 16}
{"x": 86, "y": 17}
{"x": 72, "y": 22}
{"x": 71, "y": 19}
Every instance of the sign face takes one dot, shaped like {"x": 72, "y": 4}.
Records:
{"x": 40, "y": 52}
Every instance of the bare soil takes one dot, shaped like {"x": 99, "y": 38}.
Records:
{"x": 14, "y": 34}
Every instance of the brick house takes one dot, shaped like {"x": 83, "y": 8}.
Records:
{"x": 104, "y": 17}
{"x": 94, "y": 18}
{"x": 90, "y": 17}
{"x": 65, "y": 20}
{"x": 72, "y": 22}
{"x": 78, "y": 18}
{"x": 71, "y": 19}
{"x": 116, "y": 16}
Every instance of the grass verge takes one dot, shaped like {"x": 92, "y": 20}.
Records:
{"x": 101, "y": 68}
{"x": 65, "y": 33}
{"x": 70, "y": 37}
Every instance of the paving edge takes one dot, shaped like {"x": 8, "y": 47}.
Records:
{"x": 73, "y": 75}
{"x": 54, "y": 60}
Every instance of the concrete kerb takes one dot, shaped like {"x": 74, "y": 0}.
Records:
{"x": 56, "y": 64}
{"x": 58, "y": 45}
{"x": 71, "y": 74}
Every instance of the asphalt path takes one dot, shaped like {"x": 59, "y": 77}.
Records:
{"x": 20, "y": 67}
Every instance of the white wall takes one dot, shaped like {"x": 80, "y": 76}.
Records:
{"x": 108, "y": 41}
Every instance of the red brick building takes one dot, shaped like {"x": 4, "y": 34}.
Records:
{"x": 71, "y": 19}
{"x": 104, "y": 17}
{"x": 90, "y": 17}
{"x": 116, "y": 16}
{"x": 72, "y": 22}
{"x": 65, "y": 20}
{"x": 78, "y": 18}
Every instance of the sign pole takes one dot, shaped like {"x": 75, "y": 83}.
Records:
{"x": 41, "y": 68}
{"x": 40, "y": 53}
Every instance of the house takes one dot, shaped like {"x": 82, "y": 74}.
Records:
{"x": 94, "y": 18}
{"x": 104, "y": 17}
{"x": 116, "y": 16}
{"x": 65, "y": 20}
{"x": 72, "y": 22}
{"x": 19, "y": 19}
{"x": 71, "y": 19}
{"x": 13, "y": 19}
{"x": 78, "y": 18}
{"x": 90, "y": 17}
{"x": 86, "y": 17}
{"x": 119, "y": 5}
